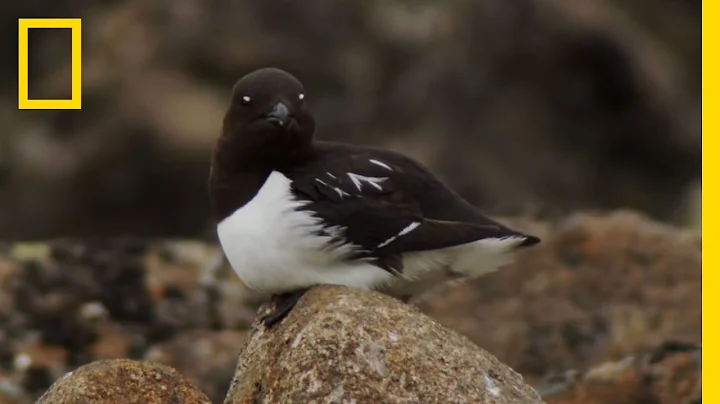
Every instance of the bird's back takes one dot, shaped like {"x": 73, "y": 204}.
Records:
{"x": 410, "y": 178}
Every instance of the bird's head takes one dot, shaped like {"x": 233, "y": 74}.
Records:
{"x": 268, "y": 113}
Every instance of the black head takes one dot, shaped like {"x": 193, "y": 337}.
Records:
{"x": 268, "y": 115}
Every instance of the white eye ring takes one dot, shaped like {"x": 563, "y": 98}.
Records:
{"x": 301, "y": 96}
{"x": 246, "y": 99}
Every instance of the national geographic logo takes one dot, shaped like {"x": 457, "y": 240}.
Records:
{"x": 75, "y": 26}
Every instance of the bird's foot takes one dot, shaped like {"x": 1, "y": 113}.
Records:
{"x": 284, "y": 304}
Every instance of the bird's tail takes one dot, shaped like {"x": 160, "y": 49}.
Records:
{"x": 484, "y": 256}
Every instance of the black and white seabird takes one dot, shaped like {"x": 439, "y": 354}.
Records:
{"x": 293, "y": 212}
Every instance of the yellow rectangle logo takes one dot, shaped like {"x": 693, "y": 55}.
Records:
{"x": 75, "y": 26}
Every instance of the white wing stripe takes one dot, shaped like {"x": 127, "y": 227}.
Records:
{"x": 358, "y": 179}
{"x": 339, "y": 191}
{"x": 412, "y": 226}
{"x": 381, "y": 164}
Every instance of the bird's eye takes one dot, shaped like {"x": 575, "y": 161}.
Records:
{"x": 301, "y": 96}
{"x": 245, "y": 100}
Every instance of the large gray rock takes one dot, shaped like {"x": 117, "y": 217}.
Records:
{"x": 345, "y": 346}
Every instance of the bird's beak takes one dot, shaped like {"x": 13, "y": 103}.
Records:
{"x": 279, "y": 115}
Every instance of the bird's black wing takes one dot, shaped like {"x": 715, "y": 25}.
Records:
{"x": 376, "y": 205}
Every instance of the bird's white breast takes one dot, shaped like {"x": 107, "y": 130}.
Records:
{"x": 274, "y": 247}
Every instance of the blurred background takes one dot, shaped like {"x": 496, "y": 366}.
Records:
{"x": 531, "y": 109}
{"x": 526, "y": 106}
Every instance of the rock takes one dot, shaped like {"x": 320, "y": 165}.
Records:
{"x": 669, "y": 374}
{"x": 599, "y": 288}
{"x": 122, "y": 381}
{"x": 343, "y": 346}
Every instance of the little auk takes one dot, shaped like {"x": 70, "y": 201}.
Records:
{"x": 293, "y": 212}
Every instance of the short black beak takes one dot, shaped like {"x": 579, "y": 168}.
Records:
{"x": 279, "y": 116}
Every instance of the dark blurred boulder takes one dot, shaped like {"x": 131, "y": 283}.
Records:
{"x": 542, "y": 104}
{"x": 207, "y": 358}
{"x": 668, "y": 374}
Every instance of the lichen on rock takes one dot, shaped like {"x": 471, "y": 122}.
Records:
{"x": 123, "y": 381}
{"x": 340, "y": 346}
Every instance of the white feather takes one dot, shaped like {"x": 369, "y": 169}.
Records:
{"x": 273, "y": 247}
{"x": 412, "y": 226}
{"x": 466, "y": 260}
{"x": 358, "y": 180}
{"x": 381, "y": 164}
{"x": 339, "y": 191}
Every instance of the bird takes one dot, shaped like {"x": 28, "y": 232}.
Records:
{"x": 293, "y": 212}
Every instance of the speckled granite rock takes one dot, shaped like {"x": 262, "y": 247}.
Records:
{"x": 123, "y": 381}
{"x": 340, "y": 345}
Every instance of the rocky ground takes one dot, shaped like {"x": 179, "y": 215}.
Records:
{"x": 607, "y": 308}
